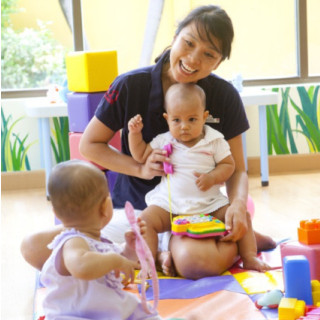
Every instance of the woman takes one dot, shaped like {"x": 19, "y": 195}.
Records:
{"x": 202, "y": 41}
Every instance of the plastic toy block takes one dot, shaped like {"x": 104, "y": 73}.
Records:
{"x": 291, "y": 309}
{"x": 74, "y": 140}
{"x": 297, "y": 281}
{"x": 309, "y": 231}
{"x": 198, "y": 226}
{"x": 91, "y": 71}
{"x": 81, "y": 108}
{"x": 315, "y": 291}
{"x": 311, "y": 252}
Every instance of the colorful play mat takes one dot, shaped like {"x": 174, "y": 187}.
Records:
{"x": 229, "y": 296}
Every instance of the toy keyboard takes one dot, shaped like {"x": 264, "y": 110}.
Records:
{"x": 198, "y": 226}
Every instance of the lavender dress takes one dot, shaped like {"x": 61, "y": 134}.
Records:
{"x": 69, "y": 298}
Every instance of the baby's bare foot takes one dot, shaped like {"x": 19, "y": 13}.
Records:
{"x": 165, "y": 262}
{"x": 254, "y": 263}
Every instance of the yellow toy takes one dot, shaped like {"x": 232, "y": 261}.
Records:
{"x": 198, "y": 226}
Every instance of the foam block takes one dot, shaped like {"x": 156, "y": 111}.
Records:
{"x": 91, "y": 71}
{"x": 74, "y": 141}
{"x": 297, "y": 281}
{"x": 81, "y": 108}
{"x": 311, "y": 252}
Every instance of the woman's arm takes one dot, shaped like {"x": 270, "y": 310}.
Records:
{"x": 34, "y": 247}
{"x": 94, "y": 147}
{"x": 237, "y": 189}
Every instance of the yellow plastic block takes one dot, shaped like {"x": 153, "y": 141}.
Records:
{"x": 315, "y": 291}
{"x": 291, "y": 309}
{"x": 91, "y": 71}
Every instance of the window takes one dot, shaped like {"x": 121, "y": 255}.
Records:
{"x": 276, "y": 42}
{"x": 313, "y": 10}
{"x": 32, "y": 46}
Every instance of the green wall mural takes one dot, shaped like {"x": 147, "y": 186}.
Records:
{"x": 283, "y": 129}
{"x": 14, "y": 150}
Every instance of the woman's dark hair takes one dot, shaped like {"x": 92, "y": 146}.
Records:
{"x": 213, "y": 21}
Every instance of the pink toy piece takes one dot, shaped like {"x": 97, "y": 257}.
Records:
{"x": 167, "y": 167}
{"x": 146, "y": 260}
{"x": 311, "y": 252}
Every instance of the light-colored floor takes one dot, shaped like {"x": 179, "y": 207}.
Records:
{"x": 278, "y": 210}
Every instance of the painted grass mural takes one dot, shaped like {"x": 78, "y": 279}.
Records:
{"x": 281, "y": 130}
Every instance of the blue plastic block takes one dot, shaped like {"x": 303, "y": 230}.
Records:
{"x": 81, "y": 108}
{"x": 297, "y": 280}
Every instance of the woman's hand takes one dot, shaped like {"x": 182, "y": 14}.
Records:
{"x": 236, "y": 222}
{"x": 153, "y": 167}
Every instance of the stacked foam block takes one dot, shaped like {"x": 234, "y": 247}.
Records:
{"x": 89, "y": 77}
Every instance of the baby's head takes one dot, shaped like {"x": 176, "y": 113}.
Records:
{"x": 77, "y": 188}
{"x": 189, "y": 94}
{"x": 185, "y": 105}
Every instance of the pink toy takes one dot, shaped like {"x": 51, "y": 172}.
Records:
{"x": 146, "y": 260}
{"x": 167, "y": 167}
{"x": 311, "y": 252}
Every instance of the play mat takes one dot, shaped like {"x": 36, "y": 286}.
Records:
{"x": 229, "y": 296}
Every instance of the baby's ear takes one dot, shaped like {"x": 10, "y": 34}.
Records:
{"x": 205, "y": 114}
{"x": 106, "y": 206}
{"x": 165, "y": 115}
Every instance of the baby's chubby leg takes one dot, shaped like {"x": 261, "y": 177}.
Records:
{"x": 198, "y": 258}
{"x": 157, "y": 221}
{"x": 248, "y": 250}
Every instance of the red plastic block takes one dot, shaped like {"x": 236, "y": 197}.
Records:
{"x": 309, "y": 231}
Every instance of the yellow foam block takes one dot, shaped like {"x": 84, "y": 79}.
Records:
{"x": 315, "y": 287}
{"x": 257, "y": 282}
{"x": 91, "y": 71}
{"x": 291, "y": 309}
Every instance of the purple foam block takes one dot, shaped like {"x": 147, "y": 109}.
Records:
{"x": 81, "y": 108}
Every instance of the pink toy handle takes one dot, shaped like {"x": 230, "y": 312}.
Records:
{"x": 146, "y": 260}
{"x": 167, "y": 167}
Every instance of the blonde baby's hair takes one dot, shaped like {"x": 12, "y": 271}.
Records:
{"x": 75, "y": 187}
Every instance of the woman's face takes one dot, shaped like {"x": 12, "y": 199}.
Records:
{"x": 192, "y": 56}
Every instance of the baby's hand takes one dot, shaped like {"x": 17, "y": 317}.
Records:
{"x": 130, "y": 236}
{"x": 126, "y": 268}
{"x": 135, "y": 124}
{"x": 204, "y": 181}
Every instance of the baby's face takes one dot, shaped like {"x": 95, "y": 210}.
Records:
{"x": 186, "y": 118}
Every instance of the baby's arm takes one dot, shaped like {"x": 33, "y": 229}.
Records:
{"x": 139, "y": 149}
{"x": 220, "y": 174}
{"x": 80, "y": 262}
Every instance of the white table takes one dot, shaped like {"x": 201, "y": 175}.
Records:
{"x": 255, "y": 96}
{"x": 42, "y": 109}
